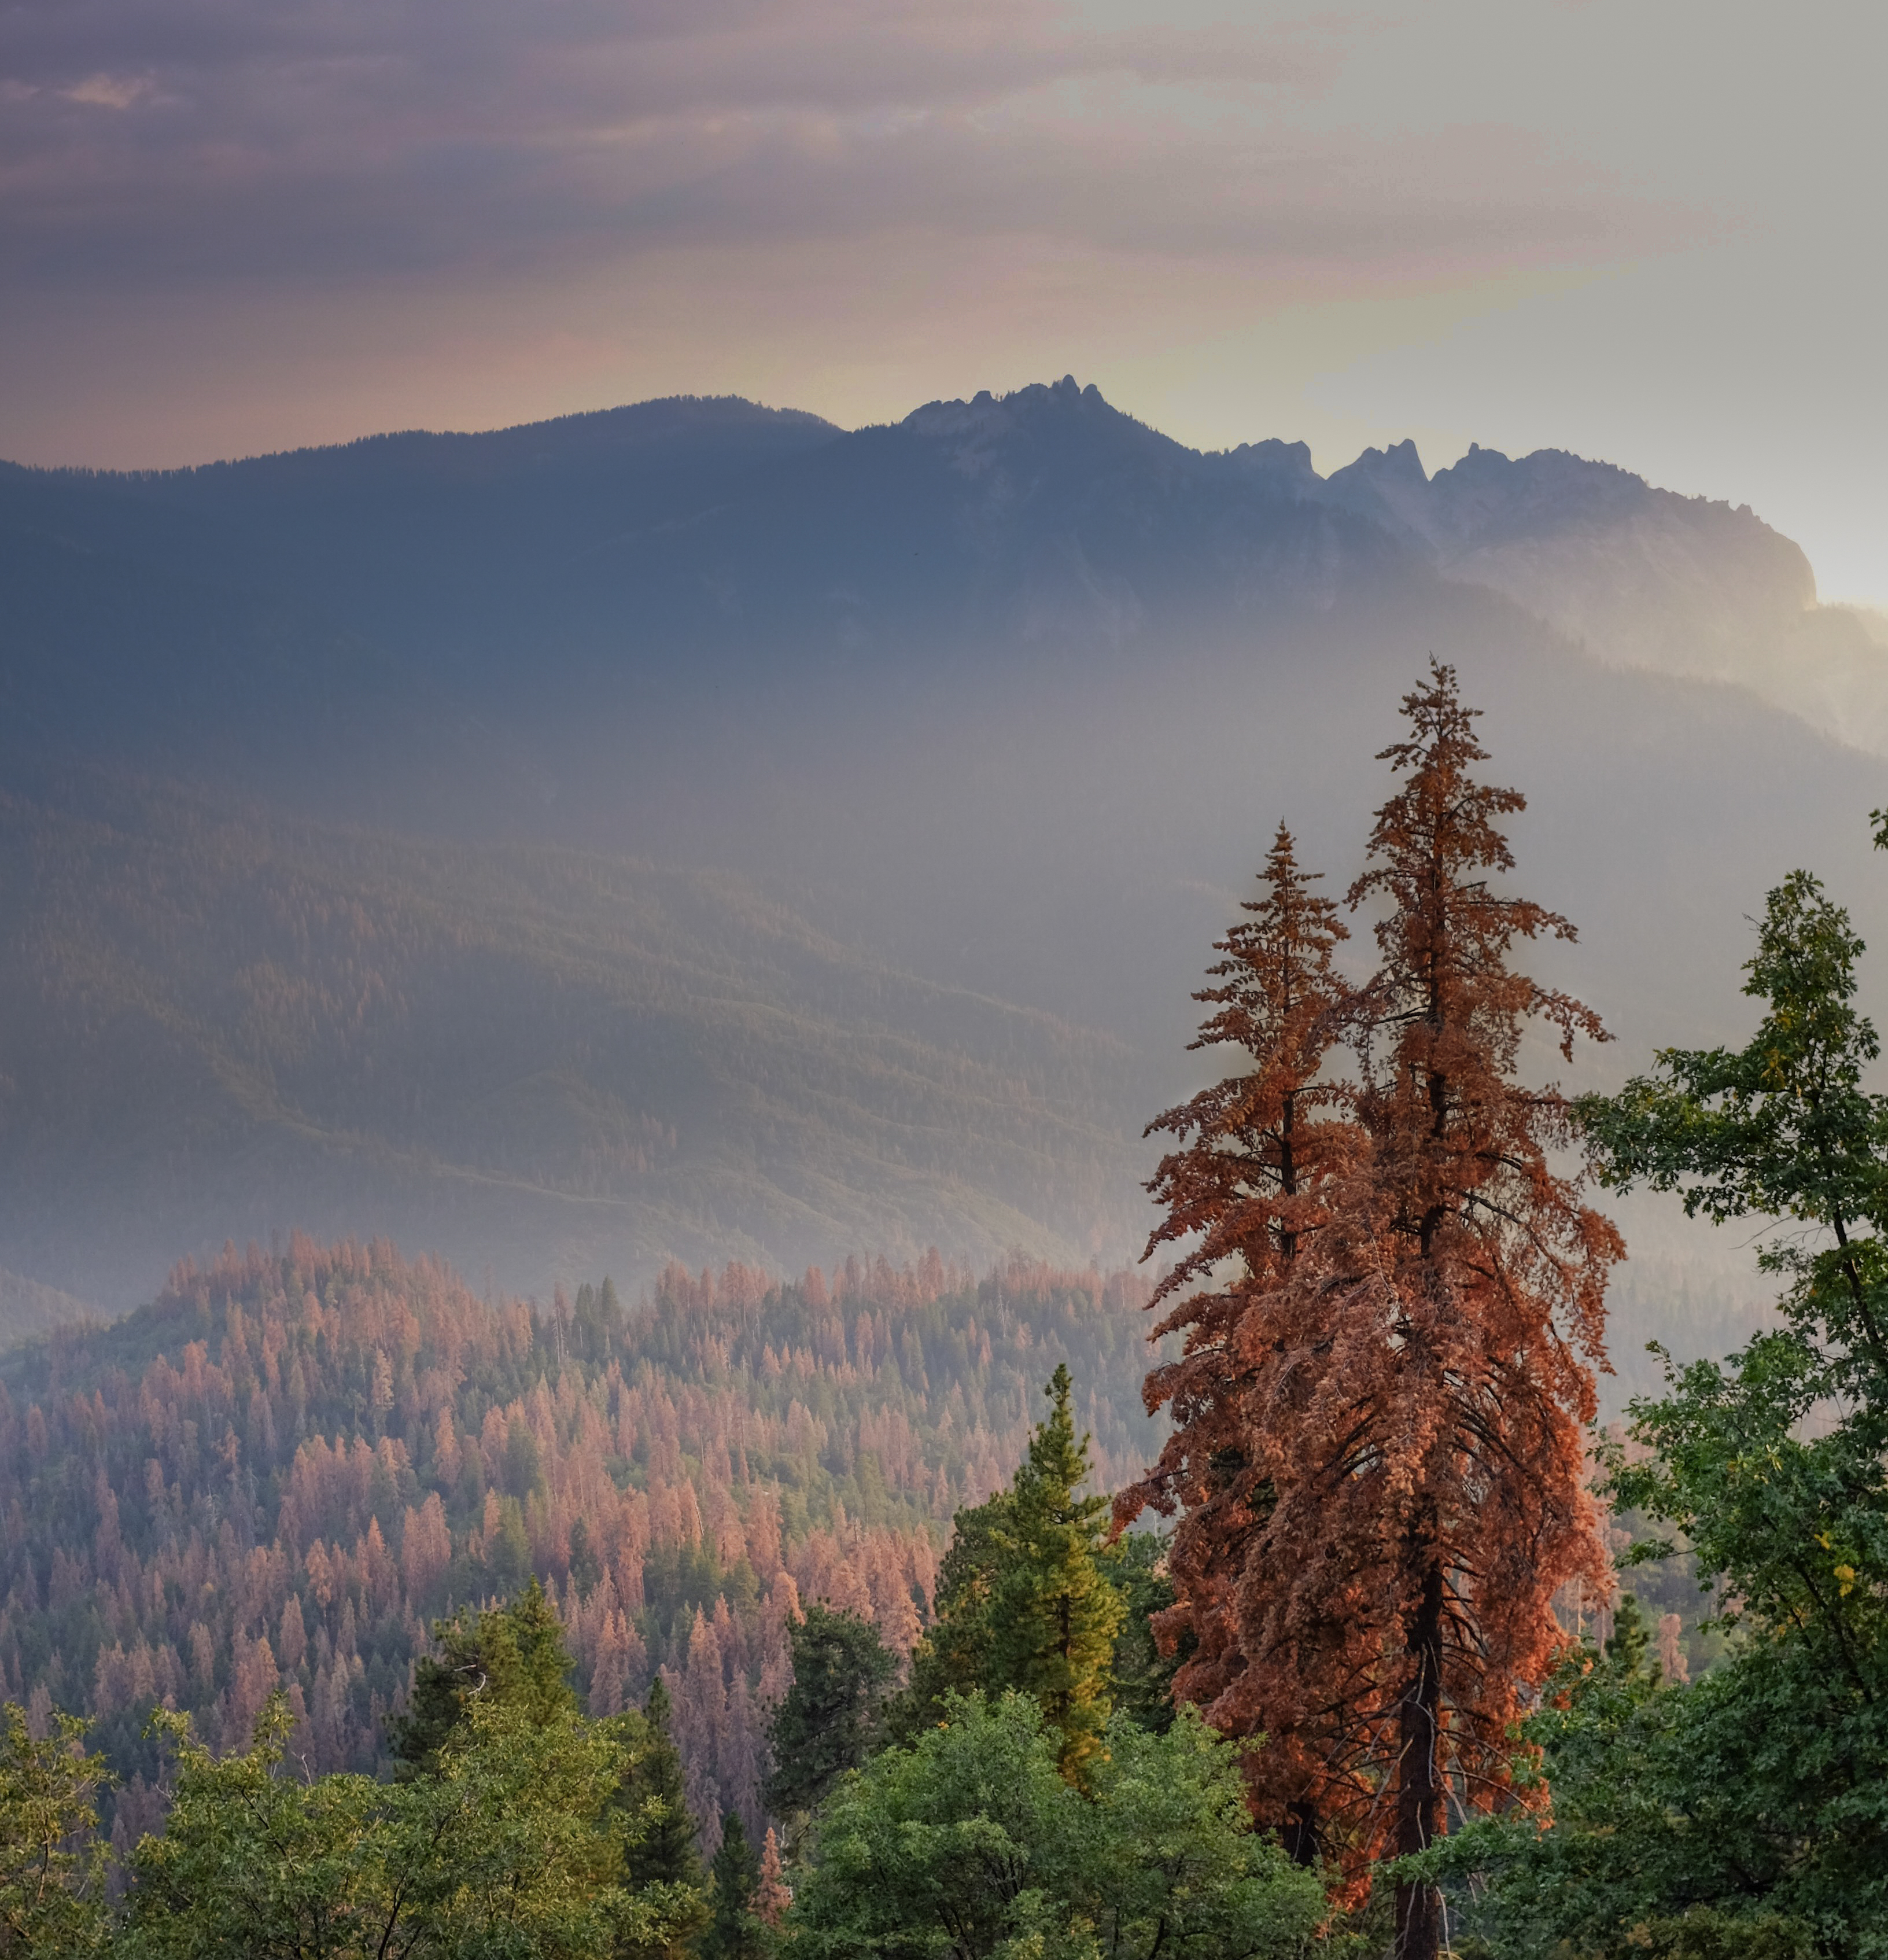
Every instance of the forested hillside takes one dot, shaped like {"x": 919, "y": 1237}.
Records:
{"x": 282, "y": 1469}
{"x": 214, "y": 1017}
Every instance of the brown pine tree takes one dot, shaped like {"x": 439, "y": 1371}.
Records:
{"x": 1420, "y": 1370}
{"x": 1257, "y": 1153}
{"x": 772, "y": 1894}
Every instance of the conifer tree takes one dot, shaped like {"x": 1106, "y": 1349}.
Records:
{"x": 735, "y": 1931}
{"x": 1056, "y": 1608}
{"x": 665, "y": 1853}
{"x": 1424, "y": 1310}
{"x": 1143, "y": 1675}
{"x": 1472, "y": 1280}
{"x": 829, "y": 1721}
{"x": 953, "y": 1655}
{"x": 514, "y": 1655}
{"x": 1245, "y": 1188}
{"x": 772, "y": 1894}
{"x": 1027, "y": 1600}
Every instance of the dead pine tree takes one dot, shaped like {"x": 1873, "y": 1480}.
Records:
{"x": 1408, "y": 1376}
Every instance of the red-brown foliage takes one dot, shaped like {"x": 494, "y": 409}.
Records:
{"x": 278, "y": 1472}
{"x": 1246, "y": 1187}
{"x": 1397, "y": 1393}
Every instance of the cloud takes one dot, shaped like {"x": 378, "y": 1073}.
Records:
{"x": 110, "y": 91}
{"x": 346, "y": 139}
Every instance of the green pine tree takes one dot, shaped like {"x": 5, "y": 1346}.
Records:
{"x": 1143, "y": 1675}
{"x": 513, "y": 1656}
{"x": 954, "y": 1657}
{"x": 664, "y": 1852}
{"x": 1027, "y": 1598}
{"x": 829, "y": 1721}
{"x": 1627, "y": 1644}
{"x": 1055, "y": 1609}
{"x": 735, "y": 1931}
{"x": 586, "y": 1568}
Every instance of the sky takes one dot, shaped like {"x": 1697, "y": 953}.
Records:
{"x": 1649, "y": 231}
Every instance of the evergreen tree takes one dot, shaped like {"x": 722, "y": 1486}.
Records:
{"x": 653, "y": 1792}
{"x": 1627, "y": 1645}
{"x": 1258, "y": 1157}
{"x": 772, "y": 1894}
{"x": 586, "y": 1568}
{"x": 953, "y": 1655}
{"x": 1056, "y": 1607}
{"x": 1143, "y": 1676}
{"x": 513, "y": 1656}
{"x": 830, "y": 1720}
{"x": 1027, "y": 1600}
{"x": 735, "y": 1931}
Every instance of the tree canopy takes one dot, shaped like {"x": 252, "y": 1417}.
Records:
{"x": 971, "y": 1841}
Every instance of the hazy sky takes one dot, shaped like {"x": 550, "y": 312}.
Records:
{"x": 1648, "y": 229}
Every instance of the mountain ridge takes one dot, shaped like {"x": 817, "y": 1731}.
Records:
{"x": 1002, "y": 699}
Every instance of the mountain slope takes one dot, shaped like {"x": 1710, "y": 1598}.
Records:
{"x": 1006, "y": 696}
{"x": 216, "y": 1022}
{"x": 1641, "y": 577}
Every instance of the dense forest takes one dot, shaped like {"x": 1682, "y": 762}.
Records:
{"x": 284, "y": 1468}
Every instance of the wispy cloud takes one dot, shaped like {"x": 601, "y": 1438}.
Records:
{"x": 345, "y": 138}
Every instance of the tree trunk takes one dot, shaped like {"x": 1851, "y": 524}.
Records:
{"x": 1300, "y": 1834}
{"x": 1419, "y": 1793}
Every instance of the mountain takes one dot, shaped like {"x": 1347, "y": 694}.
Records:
{"x": 277, "y": 1473}
{"x": 1641, "y": 577}
{"x": 604, "y": 545}
{"x": 415, "y": 835}
{"x": 28, "y": 1308}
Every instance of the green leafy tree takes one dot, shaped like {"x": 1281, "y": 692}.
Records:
{"x": 971, "y": 1843}
{"x": 1661, "y": 1846}
{"x": 1753, "y": 1806}
{"x": 830, "y": 1720}
{"x": 51, "y": 1858}
{"x": 1027, "y": 1599}
{"x": 507, "y": 1849}
{"x": 512, "y": 1656}
{"x": 735, "y": 1930}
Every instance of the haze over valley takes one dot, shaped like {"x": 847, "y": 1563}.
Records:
{"x": 693, "y": 831}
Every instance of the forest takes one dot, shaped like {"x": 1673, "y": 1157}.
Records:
{"x": 1293, "y": 1599}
